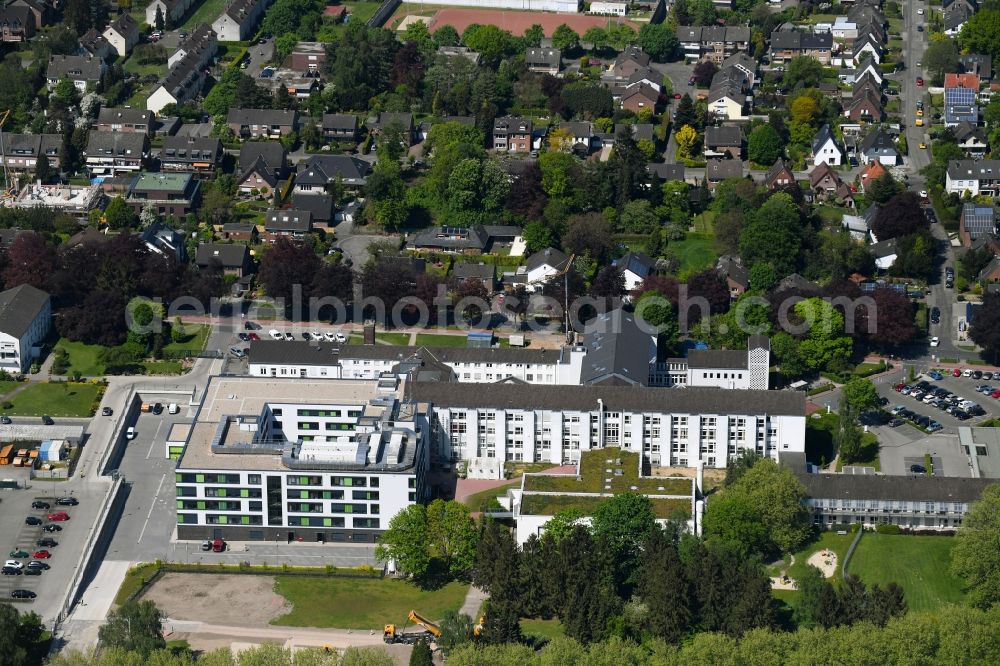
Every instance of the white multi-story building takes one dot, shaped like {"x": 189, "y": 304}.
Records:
{"x": 289, "y": 460}
{"x": 25, "y": 319}
{"x": 531, "y": 423}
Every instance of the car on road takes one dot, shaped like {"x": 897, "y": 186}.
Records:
{"x": 341, "y": 338}
{"x": 920, "y": 81}
{"x": 67, "y": 501}
{"x": 107, "y": 411}
{"x": 23, "y": 594}
{"x": 6, "y": 420}
{"x": 46, "y": 542}
{"x": 935, "y": 315}
{"x": 39, "y": 504}
{"x": 32, "y": 520}
{"x": 920, "y": 28}
{"x": 676, "y": 95}
{"x": 935, "y": 341}
{"x": 52, "y": 528}
{"x": 920, "y": 11}
{"x": 237, "y": 352}
{"x": 130, "y": 433}
{"x": 919, "y": 122}
{"x": 58, "y": 517}
{"x": 41, "y": 554}
{"x": 47, "y": 420}
{"x": 923, "y": 194}
{"x": 923, "y": 146}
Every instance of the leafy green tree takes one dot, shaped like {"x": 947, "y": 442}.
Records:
{"x": 763, "y": 277}
{"x": 773, "y": 235}
{"x": 456, "y": 629}
{"x": 665, "y": 589}
{"x": 686, "y": 113}
{"x": 940, "y": 57}
{"x": 775, "y": 494}
{"x": 496, "y": 561}
{"x": 597, "y": 37}
{"x": 118, "y": 215}
{"x": 738, "y": 465}
{"x": 765, "y": 145}
{"x": 883, "y": 188}
{"x": 733, "y": 518}
{"x": 565, "y": 38}
{"x": 804, "y": 70}
{"x": 976, "y": 558}
{"x": 492, "y": 43}
{"x": 658, "y": 40}
{"x": 981, "y": 33}
{"x": 135, "y": 626}
{"x": 452, "y": 535}
{"x": 421, "y": 654}
{"x": 43, "y": 169}
{"x": 624, "y": 521}
{"x": 538, "y": 236}
{"x": 406, "y": 541}
{"x": 446, "y": 35}
{"x": 638, "y": 217}
{"x": 825, "y": 345}
{"x": 534, "y": 35}
{"x": 860, "y": 394}
{"x": 19, "y": 637}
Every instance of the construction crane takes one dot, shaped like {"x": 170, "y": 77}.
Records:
{"x": 392, "y": 635}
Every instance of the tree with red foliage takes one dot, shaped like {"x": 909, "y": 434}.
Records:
{"x": 900, "y": 216}
{"x": 475, "y": 291}
{"x": 286, "y": 264}
{"x": 526, "y": 199}
{"x": 428, "y": 287}
{"x": 893, "y": 319}
{"x": 703, "y": 73}
{"x": 666, "y": 286}
{"x": 408, "y": 67}
{"x": 30, "y": 260}
{"x": 711, "y": 286}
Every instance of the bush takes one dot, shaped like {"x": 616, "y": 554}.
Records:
{"x": 886, "y": 528}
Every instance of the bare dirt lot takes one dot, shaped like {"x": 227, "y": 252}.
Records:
{"x": 234, "y": 600}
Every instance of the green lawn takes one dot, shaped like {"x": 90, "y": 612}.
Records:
{"x": 399, "y": 339}
{"x": 362, "y": 603}
{"x": 206, "y": 13}
{"x": 695, "y": 252}
{"x": 830, "y": 214}
{"x": 163, "y": 367}
{"x": 83, "y": 358}
{"x": 56, "y": 399}
{"x": 356, "y": 11}
{"x": 920, "y": 564}
{"x": 8, "y": 386}
{"x": 547, "y": 629}
{"x": 195, "y": 337}
{"x": 432, "y": 340}
{"x": 827, "y": 539}
{"x": 133, "y": 67}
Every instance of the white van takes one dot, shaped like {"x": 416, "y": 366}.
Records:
{"x": 172, "y": 408}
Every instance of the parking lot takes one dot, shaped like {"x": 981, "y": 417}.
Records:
{"x": 70, "y": 537}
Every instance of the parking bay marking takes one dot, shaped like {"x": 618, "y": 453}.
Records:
{"x": 152, "y": 505}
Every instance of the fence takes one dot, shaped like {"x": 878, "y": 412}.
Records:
{"x": 383, "y": 13}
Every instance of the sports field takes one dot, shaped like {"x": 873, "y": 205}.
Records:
{"x": 514, "y": 21}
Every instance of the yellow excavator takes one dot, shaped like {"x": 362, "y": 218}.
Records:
{"x": 390, "y": 634}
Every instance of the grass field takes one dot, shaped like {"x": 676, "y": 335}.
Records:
{"x": 547, "y": 629}
{"x": 83, "y": 358}
{"x": 402, "y": 339}
{"x": 356, "y": 11}
{"x": 163, "y": 367}
{"x": 694, "y": 253}
{"x": 206, "y": 13}
{"x": 838, "y": 543}
{"x": 920, "y": 564}
{"x": 195, "y": 338}
{"x": 8, "y": 386}
{"x": 56, "y": 399}
{"x": 432, "y": 340}
{"x": 362, "y": 603}
{"x": 476, "y": 500}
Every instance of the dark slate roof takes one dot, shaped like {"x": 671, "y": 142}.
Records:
{"x": 322, "y": 169}
{"x": 387, "y": 118}
{"x": 549, "y": 256}
{"x": 725, "y": 135}
{"x": 776, "y": 169}
{"x": 717, "y": 359}
{"x": 550, "y": 57}
{"x": 124, "y": 25}
{"x": 618, "y": 350}
{"x": 822, "y": 137}
{"x": 884, "y": 487}
{"x": 301, "y": 352}
{"x": 121, "y": 144}
{"x": 966, "y": 130}
{"x": 468, "y": 270}
{"x": 723, "y": 169}
{"x": 191, "y": 149}
{"x": 340, "y": 121}
{"x": 666, "y": 171}
{"x": 474, "y": 237}
{"x": 287, "y": 219}
{"x": 86, "y": 68}
{"x": 615, "y": 398}
{"x": 229, "y": 255}
{"x": 262, "y": 117}
{"x": 734, "y": 270}
{"x": 319, "y": 205}
{"x": 125, "y": 116}
{"x": 19, "y": 307}
{"x": 272, "y": 152}
{"x": 637, "y": 262}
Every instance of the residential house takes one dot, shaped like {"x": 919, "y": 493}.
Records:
{"x": 543, "y": 60}
{"x": 717, "y": 170}
{"x": 186, "y": 76}
{"x": 191, "y": 154}
{"x": 170, "y": 11}
{"x": 544, "y": 264}
{"x": 262, "y": 123}
{"x": 844, "y": 28}
{"x": 865, "y": 106}
{"x": 262, "y": 165}
{"x": 960, "y": 104}
{"x": 885, "y": 253}
{"x": 573, "y": 136}
{"x": 825, "y": 148}
{"x": 164, "y": 241}
{"x": 229, "y": 258}
{"x": 971, "y": 139}
{"x": 715, "y": 43}
{"x": 640, "y": 96}
{"x": 788, "y": 43}
{"x": 635, "y": 267}
{"x": 319, "y": 206}
{"x": 779, "y": 175}
{"x": 973, "y": 176}
{"x": 512, "y": 134}
{"x": 478, "y": 238}
{"x": 43, "y": 12}
{"x": 238, "y": 20}
{"x": 743, "y": 63}
{"x": 340, "y": 127}
{"x": 17, "y": 24}
{"x": 287, "y": 223}
{"x": 115, "y": 153}
{"x": 724, "y": 141}
{"x": 21, "y": 152}
{"x": 307, "y": 57}
{"x": 868, "y": 67}
{"x": 977, "y": 63}
{"x": 633, "y": 59}
{"x": 81, "y": 70}
{"x": 976, "y": 221}
{"x": 856, "y": 226}
{"x": 727, "y": 99}
{"x": 990, "y": 273}
{"x": 122, "y": 34}
{"x": 239, "y": 232}
{"x": 956, "y": 14}
{"x": 736, "y": 274}
{"x": 25, "y": 320}
{"x": 94, "y": 45}
{"x": 404, "y": 120}
{"x": 174, "y": 194}
{"x": 667, "y": 172}
{"x": 485, "y": 273}
{"x": 826, "y": 182}
{"x": 867, "y": 45}
{"x": 319, "y": 171}
{"x": 879, "y": 145}
{"x": 871, "y": 173}
{"x": 459, "y": 52}
{"x": 124, "y": 120}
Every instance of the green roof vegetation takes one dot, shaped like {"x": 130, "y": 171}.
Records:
{"x": 593, "y": 473}
{"x": 162, "y": 181}
{"x": 549, "y": 505}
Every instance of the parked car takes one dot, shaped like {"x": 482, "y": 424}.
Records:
{"x": 69, "y": 500}
{"x": 10, "y": 571}
{"x": 47, "y": 420}
{"x": 32, "y": 572}
{"x": 237, "y": 352}
{"x": 46, "y": 542}
{"x": 918, "y": 469}
{"x": 35, "y": 564}
{"x": 32, "y": 520}
{"x": 41, "y": 554}
{"x": 130, "y": 433}
{"x": 935, "y": 341}
{"x": 935, "y": 315}
{"x": 39, "y": 504}
{"x": 14, "y": 563}
{"x": 244, "y": 337}
{"x": 23, "y": 594}
{"x": 276, "y": 334}
{"x": 341, "y": 338}
{"x": 6, "y": 420}
{"x": 934, "y": 374}
{"x": 58, "y": 517}
{"x": 107, "y": 411}
{"x": 977, "y": 374}
{"x": 19, "y": 554}
{"x": 895, "y": 423}
{"x": 254, "y": 336}
{"x": 957, "y": 372}
{"x": 172, "y": 408}
{"x": 50, "y": 528}
{"x": 289, "y": 336}
{"x": 157, "y": 409}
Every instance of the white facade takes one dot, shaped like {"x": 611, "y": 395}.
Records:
{"x": 830, "y": 153}
{"x": 727, "y": 107}
{"x": 25, "y": 319}
{"x": 608, "y": 8}
{"x": 160, "y": 98}
{"x": 564, "y": 6}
